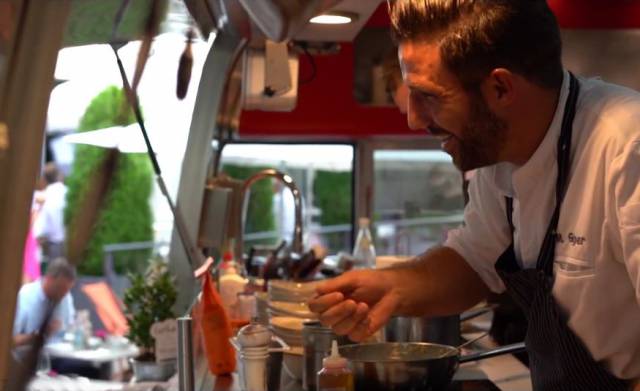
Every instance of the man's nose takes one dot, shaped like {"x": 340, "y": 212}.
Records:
{"x": 418, "y": 117}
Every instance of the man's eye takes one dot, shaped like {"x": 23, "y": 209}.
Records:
{"x": 427, "y": 95}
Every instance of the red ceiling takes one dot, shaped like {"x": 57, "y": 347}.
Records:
{"x": 597, "y": 14}
{"x": 326, "y": 107}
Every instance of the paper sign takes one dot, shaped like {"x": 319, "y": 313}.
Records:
{"x": 165, "y": 334}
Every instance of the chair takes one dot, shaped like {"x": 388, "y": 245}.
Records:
{"x": 108, "y": 307}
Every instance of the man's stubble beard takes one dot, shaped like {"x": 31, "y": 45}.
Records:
{"x": 482, "y": 139}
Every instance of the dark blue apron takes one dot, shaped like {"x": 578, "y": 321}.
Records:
{"x": 558, "y": 359}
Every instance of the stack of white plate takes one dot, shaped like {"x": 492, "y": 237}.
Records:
{"x": 288, "y": 310}
{"x": 296, "y": 292}
{"x": 288, "y": 328}
{"x": 285, "y": 308}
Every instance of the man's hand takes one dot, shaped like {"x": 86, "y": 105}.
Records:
{"x": 357, "y": 303}
{"x": 437, "y": 283}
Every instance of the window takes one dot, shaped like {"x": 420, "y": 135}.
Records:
{"x": 418, "y": 197}
{"x": 324, "y": 175}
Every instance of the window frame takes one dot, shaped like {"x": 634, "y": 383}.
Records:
{"x": 218, "y": 155}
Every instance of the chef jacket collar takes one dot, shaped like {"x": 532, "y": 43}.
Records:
{"x": 508, "y": 176}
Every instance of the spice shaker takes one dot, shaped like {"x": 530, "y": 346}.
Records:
{"x": 254, "y": 340}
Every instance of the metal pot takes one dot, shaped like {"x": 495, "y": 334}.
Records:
{"x": 412, "y": 366}
{"x": 443, "y": 330}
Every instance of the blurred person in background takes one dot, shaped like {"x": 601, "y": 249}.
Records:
{"x": 31, "y": 259}
{"x": 48, "y": 226}
{"x": 36, "y": 299}
{"x": 49, "y": 295}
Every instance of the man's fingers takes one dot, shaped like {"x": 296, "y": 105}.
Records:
{"x": 338, "y": 313}
{"x": 322, "y": 303}
{"x": 343, "y": 283}
{"x": 381, "y": 312}
{"x": 348, "y": 324}
{"x": 361, "y": 331}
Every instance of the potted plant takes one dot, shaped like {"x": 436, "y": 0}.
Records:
{"x": 149, "y": 300}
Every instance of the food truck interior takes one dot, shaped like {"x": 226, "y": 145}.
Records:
{"x": 282, "y": 136}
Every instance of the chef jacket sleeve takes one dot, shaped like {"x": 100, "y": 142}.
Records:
{"x": 485, "y": 232}
{"x": 625, "y": 208}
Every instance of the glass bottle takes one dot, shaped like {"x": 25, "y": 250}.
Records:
{"x": 364, "y": 253}
{"x": 335, "y": 374}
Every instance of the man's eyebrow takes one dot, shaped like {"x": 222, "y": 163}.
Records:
{"x": 427, "y": 89}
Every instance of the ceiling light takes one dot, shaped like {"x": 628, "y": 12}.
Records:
{"x": 334, "y": 17}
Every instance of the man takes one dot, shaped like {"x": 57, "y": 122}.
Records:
{"x": 35, "y": 301}
{"x": 38, "y": 298}
{"x": 508, "y": 324}
{"x": 393, "y": 84}
{"x": 48, "y": 226}
{"x": 554, "y": 210}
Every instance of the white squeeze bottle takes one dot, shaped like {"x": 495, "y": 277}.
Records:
{"x": 231, "y": 284}
{"x": 364, "y": 253}
{"x": 335, "y": 374}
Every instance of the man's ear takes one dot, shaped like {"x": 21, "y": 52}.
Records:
{"x": 498, "y": 88}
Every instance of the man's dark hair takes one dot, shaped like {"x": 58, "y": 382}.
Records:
{"x": 391, "y": 72}
{"x": 51, "y": 173}
{"x": 477, "y": 36}
{"x": 59, "y": 267}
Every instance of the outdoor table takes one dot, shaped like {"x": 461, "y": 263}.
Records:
{"x": 111, "y": 360}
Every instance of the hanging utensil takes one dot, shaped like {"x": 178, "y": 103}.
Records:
{"x": 150, "y": 31}
{"x": 184, "y": 67}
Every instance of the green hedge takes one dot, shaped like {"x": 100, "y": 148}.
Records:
{"x": 332, "y": 192}
{"x": 127, "y": 215}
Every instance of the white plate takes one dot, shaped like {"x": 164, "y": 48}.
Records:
{"x": 294, "y": 287}
{"x": 298, "y": 310}
{"x": 289, "y": 323}
{"x": 292, "y": 342}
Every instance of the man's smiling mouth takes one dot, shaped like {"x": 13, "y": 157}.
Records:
{"x": 446, "y": 138}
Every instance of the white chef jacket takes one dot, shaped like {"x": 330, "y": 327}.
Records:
{"x": 50, "y": 220}
{"x": 597, "y": 256}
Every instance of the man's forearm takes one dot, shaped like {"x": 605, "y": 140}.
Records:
{"x": 438, "y": 283}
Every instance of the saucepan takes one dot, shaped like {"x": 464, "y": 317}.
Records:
{"x": 413, "y": 366}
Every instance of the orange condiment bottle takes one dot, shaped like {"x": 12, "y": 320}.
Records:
{"x": 216, "y": 330}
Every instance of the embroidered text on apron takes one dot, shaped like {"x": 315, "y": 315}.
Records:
{"x": 558, "y": 359}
